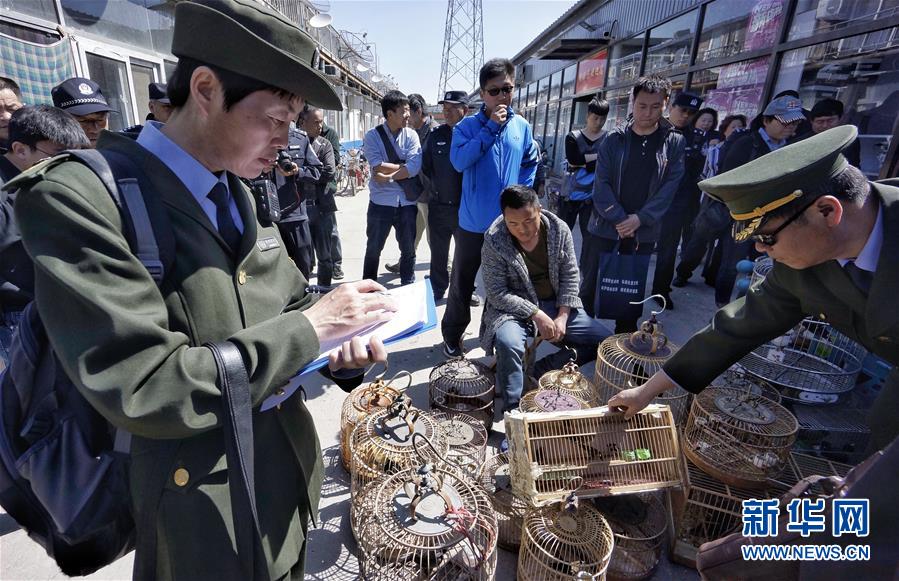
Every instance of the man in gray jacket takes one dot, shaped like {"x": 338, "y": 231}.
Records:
{"x": 531, "y": 274}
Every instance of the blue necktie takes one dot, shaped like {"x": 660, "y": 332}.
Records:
{"x": 227, "y": 227}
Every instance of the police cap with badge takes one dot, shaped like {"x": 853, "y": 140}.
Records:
{"x": 774, "y": 180}
{"x": 79, "y": 96}
{"x": 251, "y": 39}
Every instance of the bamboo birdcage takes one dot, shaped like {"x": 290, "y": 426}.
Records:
{"x": 570, "y": 380}
{"x": 365, "y": 400}
{"x": 639, "y": 538}
{"x": 628, "y": 360}
{"x": 382, "y": 444}
{"x": 595, "y": 452}
{"x": 510, "y": 509}
{"x": 738, "y": 378}
{"x": 428, "y": 523}
{"x": 463, "y": 386}
{"x": 563, "y": 541}
{"x": 552, "y": 399}
{"x": 467, "y": 441}
{"x": 739, "y": 438}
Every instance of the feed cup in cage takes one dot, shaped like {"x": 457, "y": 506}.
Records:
{"x": 739, "y": 438}
{"x": 551, "y": 400}
{"x": 383, "y": 443}
{"x": 570, "y": 380}
{"x": 428, "y": 523}
{"x": 495, "y": 479}
{"x": 639, "y": 537}
{"x": 812, "y": 364}
{"x": 593, "y": 452}
{"x": 565, "y": 540}
{"x": 463, "y": 386}
{"x": 628, "y": 360}
{"x": 738, "y": 378}
{"x": 467, "y": 441}
{"x": 365, "y": 400}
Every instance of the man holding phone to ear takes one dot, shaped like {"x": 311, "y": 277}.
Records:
{"x": 493, "y": 149}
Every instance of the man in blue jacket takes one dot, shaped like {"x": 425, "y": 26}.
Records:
{"x": 493, "y": 149}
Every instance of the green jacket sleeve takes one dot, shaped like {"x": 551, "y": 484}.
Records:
{"x": 109, "y": 325}
{"x": 767, "y": 311}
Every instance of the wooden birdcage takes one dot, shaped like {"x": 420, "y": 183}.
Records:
{"x": 570, "y": 380}
{"x": 365, "y": 400}
{"x": 639, "y": 537}
{"x": 628, "y": 360}
{"x": 463, "y": 386}
{"x": 739, "y": 438}
{"x": 467, "y": 441}
{"x": 510, "y": 510}
{"x": 595, "y": 452}
{"x": 383, "y": 443}
{"x": 563, "y": 541}
{"x": 551, "y": 399}
{"x": 738, "y": 378}
{"x": 427, "y": 523}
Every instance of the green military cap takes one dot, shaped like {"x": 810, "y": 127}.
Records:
{"x": 249, "y": 38}
{"x": 777, "y": 178}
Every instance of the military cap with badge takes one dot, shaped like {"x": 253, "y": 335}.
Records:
{"x": 767, "y": 183}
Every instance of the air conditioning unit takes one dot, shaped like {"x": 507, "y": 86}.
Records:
{"x": 331, "y": 70}
{"x": 834, "y": 10}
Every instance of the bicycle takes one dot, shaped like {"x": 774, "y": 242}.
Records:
{"x": 341, "y": 176}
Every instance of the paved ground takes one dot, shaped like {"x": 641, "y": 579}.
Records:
{"x": 331, "y": 546}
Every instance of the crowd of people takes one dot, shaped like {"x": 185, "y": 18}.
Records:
{"x": 237, "y": 167}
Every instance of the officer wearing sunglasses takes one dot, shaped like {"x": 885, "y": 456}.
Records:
{"x": 834, "y": 237}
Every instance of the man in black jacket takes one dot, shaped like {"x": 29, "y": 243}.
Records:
{"x": 330, "y": 134}
{"x": 319, "y": 196}
{"x": 446, "y": 188}
{"x": 294, "y": 225}
{"x": 769, "y": 131}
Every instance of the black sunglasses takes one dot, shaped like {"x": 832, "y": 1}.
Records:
{"x": 770, "y": 239}
{"x": 496, "y": 90}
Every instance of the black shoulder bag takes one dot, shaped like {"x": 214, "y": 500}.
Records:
{"x": 412, "y": 187}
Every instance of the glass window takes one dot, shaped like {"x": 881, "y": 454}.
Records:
{"x": 143, "y": 23}
{"x": 111, "y": 76}
{"x": 733, "y": 89}
{"x": 518, "y": 103}
{"x": 143, "y": 75}
{"x": 549, "y": 141}
{"x": 619, "y": 106}
{"x": 670, "y": 43}
{"x": 731, "y": 27}
{"x": 624, "y": 65}
{"x": 532, "y": 94}
{"x": 555, "y": 86}
{"x": 45, "y": 9}
{"x": 543, "y": 91}
{"x": 540, "y": 123}
{"x": 564, "y": 128}
{"x": 169, "y": 69}
{"x": 816, "y": 16}
{"x": 861, "y": 71}
{"x": 569, "y": 80}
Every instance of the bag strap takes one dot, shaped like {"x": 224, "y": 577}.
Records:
{"x": 238, "y": 424}
{"x": 393, "y": 155}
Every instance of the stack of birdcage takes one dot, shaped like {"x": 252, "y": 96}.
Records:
{"x": 365, "y": 400}
{"x": 463, "y": 386}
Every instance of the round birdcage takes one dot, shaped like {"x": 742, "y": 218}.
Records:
{"x": 739, "y": 438}
{"x": 567, "y": 540}
{"x": 365, "y": 400}
{"x": 570, "y": 380}
{"x": 427, "y": 523}
{"x": 383, "y": 443}
{"x": 628, "y": 360}
{"x": 551, "y": 400}
{"x": 463, "y": 386}
{"x": 510, "y": 509}
{"x": 467, "y": 441}
{"x": 639, "y": 538}
{"x": 760, "y": 269}
{"x": 812, "y": 364}
{"x": 738, "y": 378}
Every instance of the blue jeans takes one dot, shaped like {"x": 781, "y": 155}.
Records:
{"x": 380, "y": 220}
{"x": 583, "y": 333}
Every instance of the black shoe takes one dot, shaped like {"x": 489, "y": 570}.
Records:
{"x": 337, "y": 274}
{"x": 394, "y": 268}
{"x": 668, "y": 304}
{"x": 475, "y": 300}
{"x": 679, "y": 282}
{"x": 452, "y": 352}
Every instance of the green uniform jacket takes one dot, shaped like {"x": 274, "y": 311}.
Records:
{"x": 134, "y": 350}
{"x": 788, "y": 295}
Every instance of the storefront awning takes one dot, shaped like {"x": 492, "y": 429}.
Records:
{"x": 570, "y": 48}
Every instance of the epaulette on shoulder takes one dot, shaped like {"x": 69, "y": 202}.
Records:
{"x": 35, "y": 173}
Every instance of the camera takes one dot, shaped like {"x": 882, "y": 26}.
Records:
{"x": 285, "y": 162}
{"x": 268, "y": 206}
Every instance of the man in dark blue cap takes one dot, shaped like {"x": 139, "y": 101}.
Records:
{"x": 83, "y": 99}
{"x": 160, "y": 106}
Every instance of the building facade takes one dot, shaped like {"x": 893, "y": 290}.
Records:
{"x": 124, "y": 45}
{"x": 737, "y": 54}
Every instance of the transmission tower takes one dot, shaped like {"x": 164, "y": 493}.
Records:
{"x": 463, "y": 46}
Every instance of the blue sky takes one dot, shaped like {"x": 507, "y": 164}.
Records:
{"x": 409, "y": 33}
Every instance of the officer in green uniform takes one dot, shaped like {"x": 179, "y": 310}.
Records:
{"x": 135, "y": 350}
{"x": 834, "y": 237}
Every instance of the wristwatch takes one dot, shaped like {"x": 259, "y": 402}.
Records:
{"x": 390, "y": 179}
